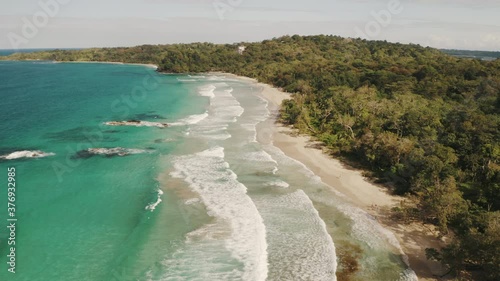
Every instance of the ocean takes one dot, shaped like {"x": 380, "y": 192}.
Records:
{"x": 207, "y": 198}
{"x": 6, "y": 52}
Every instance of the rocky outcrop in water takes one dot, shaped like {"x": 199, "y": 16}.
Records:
{"x": 137, "y": 123}
{"x": 25, "y": 154}
{"x": 108, "y": 152}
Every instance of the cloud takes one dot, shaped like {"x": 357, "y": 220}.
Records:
{"x": 450, "y": 28}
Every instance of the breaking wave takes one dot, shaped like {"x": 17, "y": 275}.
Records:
{"x": 26, "y": 154}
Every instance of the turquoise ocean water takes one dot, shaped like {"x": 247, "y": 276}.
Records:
{"x": 208, "y": 198}
{"x": 6, "y": 52}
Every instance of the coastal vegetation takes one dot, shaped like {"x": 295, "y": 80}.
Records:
{"x": 423, "y": 122}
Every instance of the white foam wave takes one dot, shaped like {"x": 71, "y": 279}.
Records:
{"x": 190, "y": 120}
{"x": 251, "y": 132}
{"x": 408, "y": 275}
{"x": 186, "y": 80}
{"x": 118, "y": 151}
{"x": 225, "y": 198}
{"x": 278, "y": 183}
{"x": 200, "y": 261}
{"x": 192, "y": 201}
{"x": 26, "y": 154}
{"x": 223, "y": 110}
{"x": 300, "y": 247}
{"x": 153, "y": 206}
{"x": 258, "y": 156}
{"x": 255, "y": 114}
{"x": 44, "y": 62}
{"x": 284, "y": 159}
{"x": 216, "y": 78}
{"x": 220, "y": 78}
{"x": 207, "y": 91}
{"x": 365, "y": 227}
{"x": 217, "y": 152}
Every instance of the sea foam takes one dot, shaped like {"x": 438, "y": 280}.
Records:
{"x": 364, "y": 227}
{"x": 300, "y": 247}
{"x": 223, "y": 110}
{"x": 190, "y": 120}
{"x": 278, "y": 183}
{"x": 26, "y": 154}
{"x": 253, "y": 116}
{"x": 207, "y": 91}
{"x": 259, "y": 156}
{"x": 226, "y": 200}
{"x": 153, "y": 205}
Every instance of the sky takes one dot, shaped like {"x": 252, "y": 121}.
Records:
{"x": 451, "y": 24}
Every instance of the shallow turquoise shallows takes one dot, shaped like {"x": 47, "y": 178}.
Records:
{"x": 207, "y": 198}
{"x": 81, "y": 218}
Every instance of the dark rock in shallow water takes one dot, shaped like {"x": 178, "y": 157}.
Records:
{"x": 108, "y": 152}
{"x": 136, "y": 123}
{"x": 82, "y": 154}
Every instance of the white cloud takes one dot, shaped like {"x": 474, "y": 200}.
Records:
{"x": 435, "y": 23}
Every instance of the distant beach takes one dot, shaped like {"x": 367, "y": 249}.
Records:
{"x": 112, "y": 62}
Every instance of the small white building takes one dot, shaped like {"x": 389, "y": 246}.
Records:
{"x": 241, "y": 49}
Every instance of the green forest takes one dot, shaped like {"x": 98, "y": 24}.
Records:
{"x": 424, "y": 123}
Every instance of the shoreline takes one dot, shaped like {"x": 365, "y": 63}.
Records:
{"x": 414, "y": 238}
{"x": 112, "y": 62}
{"x": 100, "y": 62}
